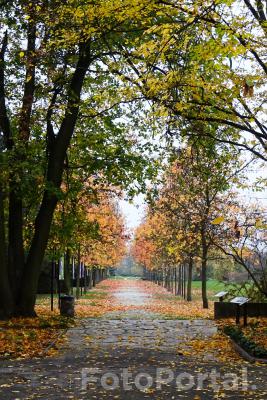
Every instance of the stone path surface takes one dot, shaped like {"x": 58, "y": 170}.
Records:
{"x": 132, "y": 355}
{"x": 138, "y": 333}
{"x": 132, "y": 296}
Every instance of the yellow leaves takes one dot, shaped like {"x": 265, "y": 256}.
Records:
{"x": 171, "y": 250}
{"x": 218, "y": 346}
{"x": 218, "y": 221}
{"x": 149, "y": 390}
{"x": 259, "y": 224}
{"x": 79, "y": 12}
{"x": 28, "y": 337}
{"x": 190, "y": 20}
{"x": 21, "y": 54}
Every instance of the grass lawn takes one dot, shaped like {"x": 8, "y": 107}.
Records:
{"x": 212, "y": 285}
{"x": 95, "y": 295}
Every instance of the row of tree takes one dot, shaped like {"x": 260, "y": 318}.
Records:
{"x": 197, "y": 217}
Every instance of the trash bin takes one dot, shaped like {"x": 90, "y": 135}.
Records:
{"x": 67, "y": 306}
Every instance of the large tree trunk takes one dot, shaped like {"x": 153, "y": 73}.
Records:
{"x": 35, "y": 257}
{"x": 6, "y": 296}
{"x": 15, "y": 239}
{"x": 27, "y": 295}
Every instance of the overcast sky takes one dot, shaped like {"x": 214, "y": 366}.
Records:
{"x": 133, "y": 212}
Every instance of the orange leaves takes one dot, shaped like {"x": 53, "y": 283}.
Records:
{"x": 218, "y": 346}
{"x": 109, "y": 246}
{"x": 28, "y": 337}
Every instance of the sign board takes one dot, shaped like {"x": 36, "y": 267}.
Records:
{"x": 221, "y": 294}
{"x": 240, "y": 300}
{"x": 61, "y": 269}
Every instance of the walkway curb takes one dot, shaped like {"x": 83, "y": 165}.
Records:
{"x": 244, "y": 354}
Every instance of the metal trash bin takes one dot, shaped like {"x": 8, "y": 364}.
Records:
{"x": 67, "y": 306}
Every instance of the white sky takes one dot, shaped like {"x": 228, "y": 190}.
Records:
{"x": 133, "y": 212}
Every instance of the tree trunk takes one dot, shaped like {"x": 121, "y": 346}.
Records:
{"x": 67, "y": 272}
{"x": 182, "y": 280}
{"x": 6, "y": 297}
{"x": 179, "y": 290}
{"x": 185, "y": 282}
{"x": 15, "y": 239}
{"x": 204, "y": 274}
{"x": 189, "y": 280}
{"x": 90, "y": 279}
{"x": 35, "y": 257}
{"x": 78, "y": 272}
{"x": 94, "y": 276}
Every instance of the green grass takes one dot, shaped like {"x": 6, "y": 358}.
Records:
{"x": 92, "y": 294}
{"x": 212, "y": 285}
{"x": 43, "y": 298}
{"x": 95, "y": 295}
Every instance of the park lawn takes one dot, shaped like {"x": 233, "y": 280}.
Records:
{"x": 95, "y": 294}
{"x": 213, "y": 286}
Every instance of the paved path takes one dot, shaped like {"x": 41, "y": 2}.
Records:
{"x": 138, "y": 333}
{"x": 135, "y": 356}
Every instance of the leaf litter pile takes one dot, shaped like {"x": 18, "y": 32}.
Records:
{"x": 22, "y": 338}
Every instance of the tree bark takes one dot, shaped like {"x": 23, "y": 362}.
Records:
{"x": 94, "y": 276}
{"x": 6, "y": 296}
{"x": 204, "y": 273}
{"x": 67, "y": 272}
{"x": 179, "y": 290}
{"x": 15, "y": 239}
{"x": 189, "y": 280}
{"x": 78, "y": 271}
